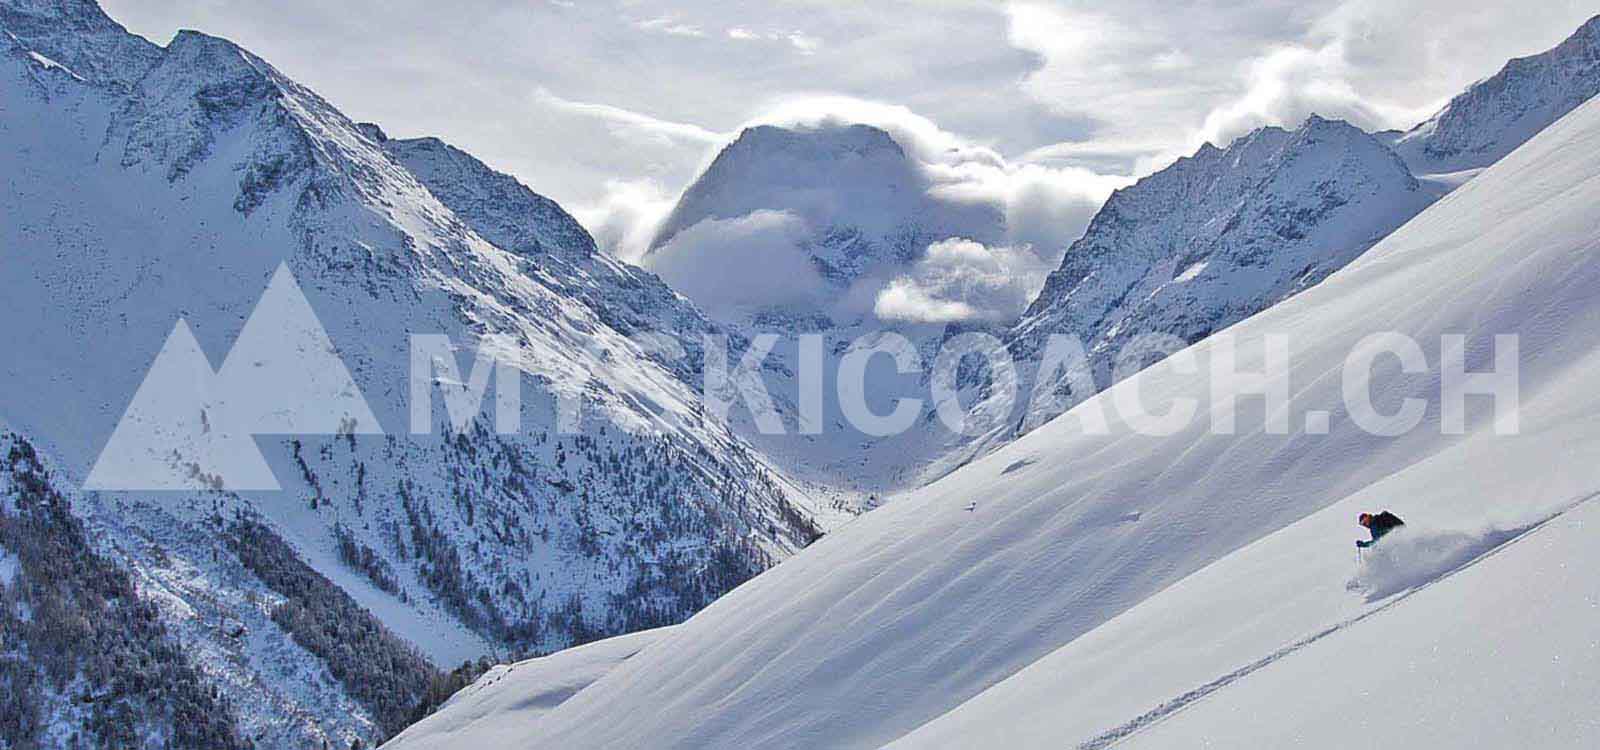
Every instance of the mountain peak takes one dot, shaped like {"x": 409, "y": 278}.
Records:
{"x": 1214, "y": 238}
{"x": 812, "y": 172}
{"x": 843, "y": 200}
{"x": 1497, "y": 114}
{"x": 827, "y": 140}
{"x": 371, "y": 130}
{"x": 495, "y": 204}
{"x": 80, "y": 36}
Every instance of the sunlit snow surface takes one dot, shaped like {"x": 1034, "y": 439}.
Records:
{"x": 496, "y": 710}
{"x": 1042, "y": 617}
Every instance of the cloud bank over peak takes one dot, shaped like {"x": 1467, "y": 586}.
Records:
{"x": 959, "y": 280}
{"x": 728, "y": 266}
{"x": 961, "y": 234}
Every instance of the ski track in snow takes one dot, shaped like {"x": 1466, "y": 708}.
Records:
{"x": 1167, "y": 710}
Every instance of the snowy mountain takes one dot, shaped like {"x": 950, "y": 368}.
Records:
{"x": 1084, "y": 587}
{"x": 1495, "y": 115}
{"x": 1210, "y": 241}
{"x": 558, "y": 254}
{"x": 156, "y": 195}
{"x": 849, "y": 206}
{"x": 799, "y": 229}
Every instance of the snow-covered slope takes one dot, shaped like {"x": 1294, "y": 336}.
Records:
{"x": 910, "y": 612}
{"x": 1499, "y": 113}
{"x": 496, "y": 710}
{"x": 151, "y": 185}
{"x": 1502, "y": 655}
{"x": 1212, "y": 240}
{"x": 557, "y": 253}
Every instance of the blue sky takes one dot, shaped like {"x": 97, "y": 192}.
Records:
{"x": 612, "y": 107}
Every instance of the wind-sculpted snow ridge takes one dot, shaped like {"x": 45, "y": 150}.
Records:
{"x": 179, "y": 180}
{"x": 1496, "y": 115}
{"x": 1023, "y": 608}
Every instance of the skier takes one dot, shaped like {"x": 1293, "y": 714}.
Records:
{"x": 1380, "y": 524}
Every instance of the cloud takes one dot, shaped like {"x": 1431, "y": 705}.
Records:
{"x": 961, "y": 281}
{"x": 668, "y": 25}
{"x": 1007, "y": 225}
{"x": 1286, "y": 86}
{"x": 625, "y": 220}
{"x": 804, "y": 42}
{"x": 626, "y": 120}
{"x": 1156, "y": 80}
{"x": 1042, "y": 82}
{"x": 731, "y": 267}
{"x": 1045, "y": 207}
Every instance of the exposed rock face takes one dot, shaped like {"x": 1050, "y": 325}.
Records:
{"x": 1215, "y": 238}
{"x": 1496, "y": 115}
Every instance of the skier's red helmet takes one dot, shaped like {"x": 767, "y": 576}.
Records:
{"x": 1365, "y": 519}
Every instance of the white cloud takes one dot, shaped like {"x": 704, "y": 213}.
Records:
{"x": 1028, "y": 213}
{"x": 625, "y": 220}
{"x": 928, "y": 141}
{"x": 1158, "y": 79}
{"x": 669, "y": 25}
{"x": 630, "y": 121}
{"x": 960, "y": 280}
{"x": 733, "y": 266}
{"x": 1045, "y": 207}
{"x": 1286, "y": 86}
{"x": 1116, "y": 88}
{"x": 804, "y": 42}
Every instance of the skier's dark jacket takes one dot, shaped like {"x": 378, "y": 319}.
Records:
{"x": 1381, "y": 523}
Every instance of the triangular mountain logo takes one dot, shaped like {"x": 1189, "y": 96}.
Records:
{"x": 192, "y": 428}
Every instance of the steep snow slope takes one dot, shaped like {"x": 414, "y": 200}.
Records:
{"x": 917, "y": 607}
{"x": 1213, "y": 239}
{"x": 1499, "y": 113}
{"x": 147, "y": 186}
{"x": 558, "y": 254}
{"x": 1292, "y": 597}
{"x": 1502, "y": 655}
{"x": 496, "y": 710}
